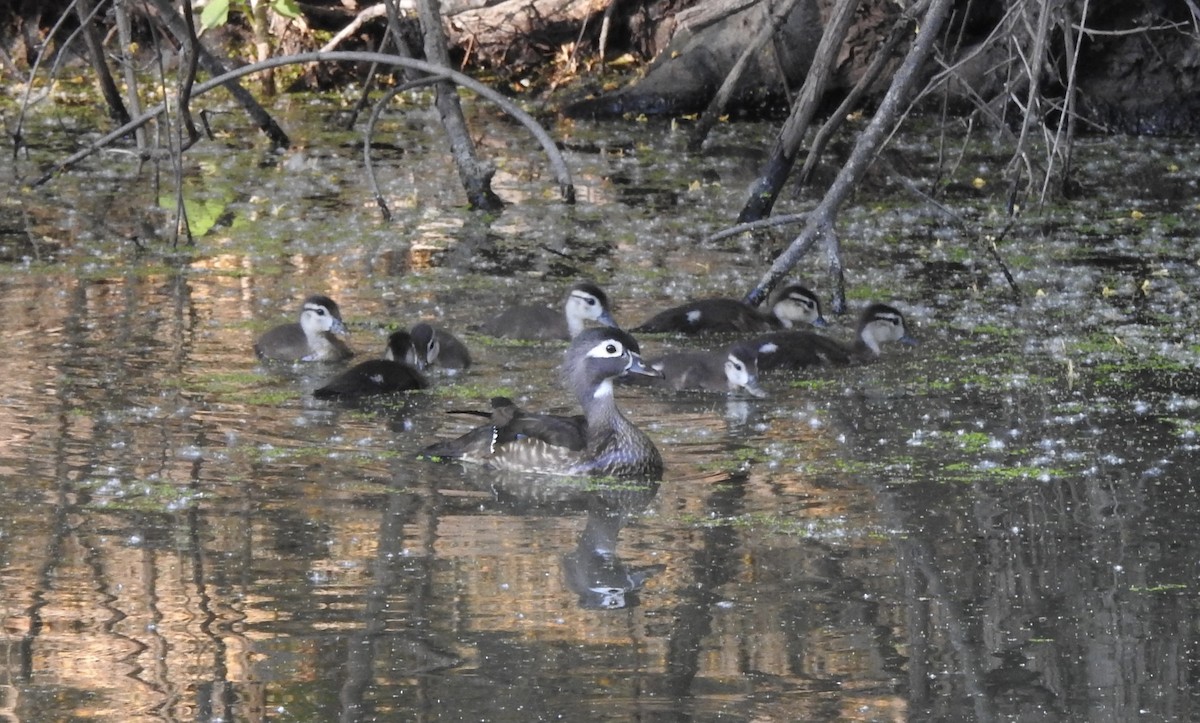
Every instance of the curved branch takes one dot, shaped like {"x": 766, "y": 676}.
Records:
{"x": 557, "y": 163}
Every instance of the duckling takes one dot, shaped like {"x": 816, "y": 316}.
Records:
{"x": 313, "y": 338}
{"x": 432, "y": 345}
{"x": 603, "y": 442}
{"x": 796, "y": 349}
{"x": 584, "y": 302}
{"x": 731, "y": 370}
{"x": 793, "y": 304}
{"x": 377, "y": 376}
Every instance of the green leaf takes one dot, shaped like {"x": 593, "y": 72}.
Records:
{"x": 286, "y": 8}
{"x": 215, "y": 13}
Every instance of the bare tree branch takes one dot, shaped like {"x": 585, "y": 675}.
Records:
{"x": 822, "y": 218}
{"x": 765, "y": 188}
{"x": 716, "y": 106}
{"x": 474, "y": 172}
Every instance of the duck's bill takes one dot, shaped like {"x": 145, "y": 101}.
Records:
{"x": 753, "y": 389}
{"x": 607, "y": 319}
{"x": 640, "y": 368}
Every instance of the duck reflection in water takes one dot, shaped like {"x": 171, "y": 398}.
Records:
{"x": 594, "y": 571}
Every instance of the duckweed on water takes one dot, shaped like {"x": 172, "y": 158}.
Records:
{"x": 816, "y": 528}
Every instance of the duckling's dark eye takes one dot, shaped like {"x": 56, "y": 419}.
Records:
{"x": 612, "y": 349}
{"x": 591, "y": 300}
{"x": 320, "y": 311}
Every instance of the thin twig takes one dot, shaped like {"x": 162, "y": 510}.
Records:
{"x": 762, "y": 223}
{"x": 37, "y": 62}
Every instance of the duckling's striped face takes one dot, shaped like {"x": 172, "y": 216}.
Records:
{"x": 584, "y": 305}
{"x": 610, "y": 358}
{"x": 798, "y": 305}
{"x": 885, "y": 324}
{"x": 882, "y": 323}
{"x": 423, "y": 348}
{"x": 741, "y": 371}
{"x": 319, "y": 318}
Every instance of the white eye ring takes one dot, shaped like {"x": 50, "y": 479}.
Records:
{"x": 607, "y": 349}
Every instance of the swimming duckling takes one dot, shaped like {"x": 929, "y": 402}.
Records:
{"x": 732, "y": 370}
{"x": 313, "y": 338}
{"x": 377, "y": 376}
{"x": 584, "y": 302}
{"x": 433, "y": 345}
{"x": 797, "y": 349}
{"x": 792, "y": 304}
{"x": 606, "y": 444}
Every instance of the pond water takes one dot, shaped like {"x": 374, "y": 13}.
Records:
{"x": 997, "y": 524}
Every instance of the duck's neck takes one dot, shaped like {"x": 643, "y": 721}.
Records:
{"x": 324, "y": 345}
{"x": 574, "y": 325}
{"x": 615, "y": 446}
{"x": 601, "y": 411}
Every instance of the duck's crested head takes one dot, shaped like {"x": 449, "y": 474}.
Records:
{"x": 587, "y": 302}
{"x": 881, "y": 323}
{"x": 321, "y": 314}
{"x": 596, "y": 356}
{"x": 795, "y": 304}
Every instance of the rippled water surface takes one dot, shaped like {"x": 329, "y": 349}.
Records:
{"x": 998, "y": 524}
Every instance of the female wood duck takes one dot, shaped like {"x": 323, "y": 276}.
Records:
{"x": 313, "y": 338}
{"x": 732, "y": 371}
{"x": 796, "y": 349}
{"x": 377, "y": 376}
{"x": 584, "y": 302}
{"x": 432, "y": 345}
{"x": 793, "y": 304}
{"x": 601, "y": 442}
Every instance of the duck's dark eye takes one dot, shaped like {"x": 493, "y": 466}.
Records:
{"x": 320, "y": 311}
{"x": 591, "y": 300}
{"x": 612, "y": 349}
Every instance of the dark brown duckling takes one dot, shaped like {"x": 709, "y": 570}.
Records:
{"x": 584, "y": 303}
{"x": 312, "y": 338}
{"x": 432, "y": 345}
{"x": 733, "y": 371}
{"x": 791, "y": 305}
{"x": 377, "y": 376}
{"x": 797, "y": 349}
